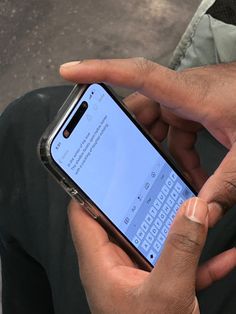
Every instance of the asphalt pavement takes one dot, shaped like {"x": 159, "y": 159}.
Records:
{"x": 37, "y": 36}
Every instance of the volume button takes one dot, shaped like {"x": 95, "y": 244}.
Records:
{"x": 72, "y": 192}
{"x": 90, "y": 211}
{"x": 75, "y": 194}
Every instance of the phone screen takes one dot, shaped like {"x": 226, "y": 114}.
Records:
{"x": 121, "y": 171}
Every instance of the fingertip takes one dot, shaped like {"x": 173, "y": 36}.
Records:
{"x": 196, "y": 210}
{"x": 216, "y": 268}
{"x": 84, "y": 230}
{"x": 79, "y": 218}
{"x": 216, "y": 212}
{"x": 69, "y": 68}
{"x": 63, "y": 71}
{"x": 73, "y": 208}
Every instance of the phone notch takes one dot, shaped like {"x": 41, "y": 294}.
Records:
{"x": 75, "y": 119}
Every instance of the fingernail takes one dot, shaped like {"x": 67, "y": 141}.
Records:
{"x": 70, "y": 64}
{"x": 196, "y": 210}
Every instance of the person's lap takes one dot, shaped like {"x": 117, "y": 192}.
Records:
{"x": 38, "y": 260}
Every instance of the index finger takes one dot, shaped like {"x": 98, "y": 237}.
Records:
{"x": 84, "y": 228}
{"x": 149, "y": 78}
{"x": 132, "y": 73}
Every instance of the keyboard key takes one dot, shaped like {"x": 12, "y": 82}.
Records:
{"x": 126, "y": 220}
{"x": 154, "y": 230}
{"x": 140, "y": 233}
{"x": 157, "y": 246}
{"x": 187, "y": 193}
{"x": 173, "y": 175}
{"x": 170, "y": 201}
{"x": 157, "y": 204}
{"x": 161, "y": 238}
{"x": 165, "y": 190}
{"x": 174, "y": 195}
{"x": 150, "y": 238}
{"x": 145, "y": 245}
{"x": 172, "y": 216}
{"x": 162, "y": 216}
{"x": 145, "y": 226}
{"x": 165, "y": 231}
{"x": 153, "y": 211}
{"x": 158, "y": 223}
{"x": 136, "y": 241}
{"x": 168, "y": 223}
{"x": 180, "y": 201}
{"x": 166, "y": 209}
{"x": 149, "y": 219}
{"x": 151, "y": 256}
{"x": 178, "y": 187}
{"x": 169, "y": 183}
{"x": 161, "y": 197}
{"x": 176, "y": 208}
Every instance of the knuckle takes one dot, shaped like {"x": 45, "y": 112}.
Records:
{"x": 197, "y": 81}
{"x": 144, "y": 66}
{"x": 224, "y": 188}
{"x": 184, "y": 243}
{"x": 230, "y": 187}
{"x": 103, "y": 65}
{"x": 228, "y": 197}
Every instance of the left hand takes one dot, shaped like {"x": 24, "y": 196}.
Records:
{"x": 114, "y": 284}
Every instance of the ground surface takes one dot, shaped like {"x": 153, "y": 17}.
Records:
{"x": 37, "y": 36}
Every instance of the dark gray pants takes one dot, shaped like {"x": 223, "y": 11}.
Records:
{"x": 39, "y": 266}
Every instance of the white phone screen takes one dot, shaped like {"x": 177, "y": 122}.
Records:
{"x": 111, "y": 160}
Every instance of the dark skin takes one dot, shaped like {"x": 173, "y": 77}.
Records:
{"x": 175, "y": 105}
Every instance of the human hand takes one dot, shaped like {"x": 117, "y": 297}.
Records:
{"x": 181, "y": 134}
{"x": 113, "y": 283}
{"x": 204, "y": 95}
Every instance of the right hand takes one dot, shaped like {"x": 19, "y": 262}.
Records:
{"x": 113, "y": 283}
{"x": 205, "y": 95}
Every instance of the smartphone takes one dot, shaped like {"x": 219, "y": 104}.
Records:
{"x": 101, "y": 156}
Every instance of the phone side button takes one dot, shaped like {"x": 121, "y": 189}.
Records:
{"x": 77, "y": 197}
{"x": 74, "y": 193}
{"x": 90, "y": 211}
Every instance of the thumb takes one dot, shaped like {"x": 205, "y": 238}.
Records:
{"x": 183, "y": 247}
{"x": 220, "y": 189}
